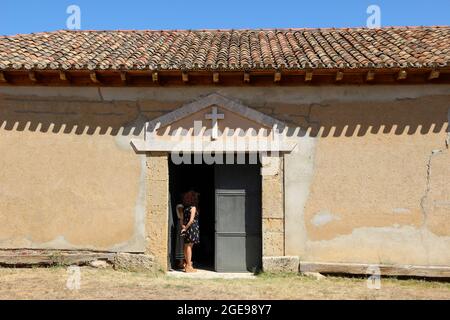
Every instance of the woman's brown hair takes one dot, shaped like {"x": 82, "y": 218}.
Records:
{"x": 190, "y": 198}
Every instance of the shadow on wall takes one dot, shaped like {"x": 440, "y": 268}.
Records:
{"x": 400, "y": 117}
{"x": 68, "y": 117}
{"x": 331, "y": 119}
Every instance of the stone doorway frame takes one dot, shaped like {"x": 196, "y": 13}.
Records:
{"x": 156, "y": 224}
{"x": 272, "y": 171}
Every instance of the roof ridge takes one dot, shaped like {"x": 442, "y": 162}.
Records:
{"x": 228, "y": 30}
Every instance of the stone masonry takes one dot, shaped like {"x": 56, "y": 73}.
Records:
{"x": 157, "y": 217}
{"x": 273, "y": 211}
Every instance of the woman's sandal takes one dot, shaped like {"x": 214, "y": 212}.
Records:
{"x": 189, "y": 269}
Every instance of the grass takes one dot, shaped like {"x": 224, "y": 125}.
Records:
{"x": 50, "y": 283}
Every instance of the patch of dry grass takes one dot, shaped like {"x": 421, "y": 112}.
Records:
{"x": 50, "y": 283}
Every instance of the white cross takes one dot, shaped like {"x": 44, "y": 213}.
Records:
{"x": 214, "y": 116}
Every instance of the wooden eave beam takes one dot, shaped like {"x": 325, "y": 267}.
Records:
{"x": 155, "y": 76}
{"x": 93, "y": 76}
{"x": 277, "y": 77}
{"x": 246, "y": 77}
{"x": 226, "y": 78}
{"x": 3, "y": 77}
{"x": 185, "y": 77}
{"x": 370, "y": 76}
{"x": 216, "y": 77}
{"x": 402, "y": 74}
{"x": 63, "y": 76}
{"x": 434, "y": 74}
{"x": 32, "y": 76}
{"x": 123, "y": 77}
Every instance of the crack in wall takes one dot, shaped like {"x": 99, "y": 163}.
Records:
{"x": 308, "y": 116}
{"x": 52, "y": 113}
{"x": 423, "y": 200}
{"x": 428, "y": 188}
{"x": 50, "y": 99}
{"x": 447, "y": 141}
{"x": 100, "y": 94}
{"x": 119, "y": 114}
{"x": 138, "y": 106}
{"x": 428, "y": 183}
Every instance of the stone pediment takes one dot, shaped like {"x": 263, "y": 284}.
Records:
{"x": 215, "y": 122}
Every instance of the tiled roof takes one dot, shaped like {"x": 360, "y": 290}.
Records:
{"x": 413, "y": 47}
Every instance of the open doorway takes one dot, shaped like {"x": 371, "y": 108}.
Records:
{"x": 200, "y": 178}
{"x": 229, "y": 215}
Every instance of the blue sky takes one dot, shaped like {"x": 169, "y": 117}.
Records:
{"x": 26, "y": 16}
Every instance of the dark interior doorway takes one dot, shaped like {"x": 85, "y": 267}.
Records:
{"x": 229, "y": 215}
{"x": 200, "y": 178}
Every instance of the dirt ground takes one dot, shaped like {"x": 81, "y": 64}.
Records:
{"x": 51, "y": 283}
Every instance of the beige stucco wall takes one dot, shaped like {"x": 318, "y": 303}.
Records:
{"x": 369, "y": 181}
{"x": 67, "y": 180}
{"x": 380, "y": 194}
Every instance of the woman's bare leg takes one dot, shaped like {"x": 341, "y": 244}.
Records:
{"x": 189, "y": 267}
{"x": 188, "y": 253}
{"x": 185, "y": 255}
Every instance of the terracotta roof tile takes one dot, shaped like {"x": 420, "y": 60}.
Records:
{"x": 229, "y": 49}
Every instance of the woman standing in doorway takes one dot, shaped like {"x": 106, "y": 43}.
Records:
{"x": 190, "y": 228}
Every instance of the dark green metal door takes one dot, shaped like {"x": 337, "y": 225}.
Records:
{"x": 238, "y": 218}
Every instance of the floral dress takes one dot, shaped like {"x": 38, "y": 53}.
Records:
{"x": 193, "y": 232}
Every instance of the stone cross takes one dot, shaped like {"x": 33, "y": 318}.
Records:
{"x": 214, "y": 117}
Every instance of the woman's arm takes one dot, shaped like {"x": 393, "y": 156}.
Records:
{"x": 191, "y": 219}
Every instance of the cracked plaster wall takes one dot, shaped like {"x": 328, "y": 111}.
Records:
{"x": 380, "y": 194}
{"x": 363, "y": 185}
